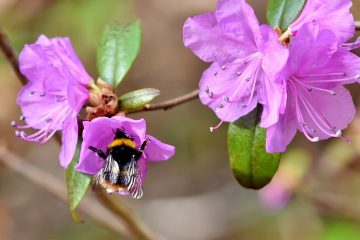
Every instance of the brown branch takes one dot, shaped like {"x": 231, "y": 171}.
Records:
{"x": 141, "y": 231}
{"x": 169, "y": 103}
{"x": 357, "y": 25}
{"x": 11, "y": 56}
{"x": 88, "y": 206}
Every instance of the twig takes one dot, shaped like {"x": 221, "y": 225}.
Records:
{"x": 124, "y": 213}
{"x": 88, "y": 206}
{"x": 11, "y": 56}
{"x": 357, "y": 25}
{"x": 169, "y": 103}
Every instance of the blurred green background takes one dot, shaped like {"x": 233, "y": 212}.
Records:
{"x": 315, "y": 194}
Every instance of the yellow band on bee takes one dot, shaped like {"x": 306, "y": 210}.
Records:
{"x": 122, "y": 141}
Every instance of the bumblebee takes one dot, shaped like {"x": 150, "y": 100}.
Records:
{"x": 120, "y": 172}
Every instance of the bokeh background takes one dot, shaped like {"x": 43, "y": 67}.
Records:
{"x": 315, "y": 194}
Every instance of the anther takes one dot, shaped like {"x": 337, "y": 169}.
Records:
{"x": 48, "y": 120}
{"x": 223, "y": 67}
{"x": 357, "y": 76}
{"x": 302, "y": 123}
{"x": 216, "y": 73}
{"x": 238, "y": 74}
{"x": 42, "y": 94}
{"x": 22, "y": 118}
{"x": 211, "y": 129}
{"x": 13, "y": 124}
{"x": 219, "y": 107}
{"x": 17, "y": 133}
{"x": 207, "y": 89}
{"x": 247, "y": 79}
{"x": 315, "y": 139}
{"x": 226, "y": 99}
{"x": 211, "y": 94}
{"x": 32, "y": 93}
{"x": 22, "y": 134}
{"x": 310, "y": 89}
{"x": 244, "y": 106}
{"x": 338, "y": 133}
{"x": 333, "y": 93}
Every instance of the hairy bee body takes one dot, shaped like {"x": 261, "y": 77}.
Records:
{"x": 120, "y": 172}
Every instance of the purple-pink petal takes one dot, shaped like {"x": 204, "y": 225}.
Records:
{"x": 329, "y": 14}
{"x": 238, "y": 21}
{"x": 271, "y": 92}
{"x": 206, "y": 39}
{"x": 158, "y": 151}
{"x": 279, "y": 135}
{"x": 69, "y": 141}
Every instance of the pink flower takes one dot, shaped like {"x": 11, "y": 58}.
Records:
{"x": 316, "y": 102}
{"x": 56, "y": 91}
{"x": 100, "y": 133}
{"x": 246, "y": 60}
{"x": 328, "y": 14}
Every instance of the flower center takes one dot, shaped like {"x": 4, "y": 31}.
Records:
{"x": 241, "y": 89}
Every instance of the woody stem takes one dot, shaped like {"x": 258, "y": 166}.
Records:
{"x": 169, "y": 103}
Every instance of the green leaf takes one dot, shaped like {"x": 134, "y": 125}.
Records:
{"x": 77, "y": 184}
{"x": 119, "y": 46}
{"x": 252, "y": 166}
{"x": 137, "y": 99}
{"x": 282, "y": 13}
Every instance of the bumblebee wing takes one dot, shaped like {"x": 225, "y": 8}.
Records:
{"x": 109, "y": 172}
{"x": 96, "y": 186}
{"x": 135, "y": 185}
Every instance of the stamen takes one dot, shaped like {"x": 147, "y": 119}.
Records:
{"x": 341, "y": 74}
{"x": 318, "y": 119}
{"x": 352, "y": 46}
{"x": 299, "y": 115}
{"x": 310, "y": 88}
{"x": 356, "y": 77}
{"x": 345, "y": 139}
{"x": 212, "y": 129}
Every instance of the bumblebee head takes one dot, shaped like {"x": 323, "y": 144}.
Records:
{"x": 121, "y": 134}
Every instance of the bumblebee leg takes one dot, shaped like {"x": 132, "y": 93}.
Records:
{"x": 98, "y": 152}
{"x": 141, "y": 150}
